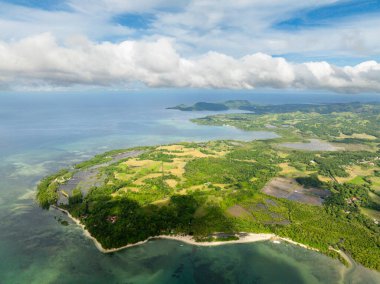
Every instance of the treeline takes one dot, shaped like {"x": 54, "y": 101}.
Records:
{"x": 157, "y": 155}
{"x": 354, "y": 107}
{"x": 115, "y": 222}
{"x": 347, "y": 198}
{"x": 322, "y": 121}
{"x": 227, "y": 171}
{"x": 259, "y": 153}
{"x": 310, "y": 181}
{"x": 319, "y": 228}
{"x": 330, "y": 164}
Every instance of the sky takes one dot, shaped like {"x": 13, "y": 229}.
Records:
{"x": 326, "y": 45}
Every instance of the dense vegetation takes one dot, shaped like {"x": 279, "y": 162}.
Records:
{"x": 350, "y": 122}
{"x": 201, "y": 106}
{"x": 283, "y": 108}
{"x": 331, "y": 164}
{"x": 47, "y": 188}
{"x": 227, "y": 171}
{"x": 118, "y": 221}
{"x": 202, "y": 188}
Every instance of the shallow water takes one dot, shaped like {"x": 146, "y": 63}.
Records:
{"x": 42, "y": 133}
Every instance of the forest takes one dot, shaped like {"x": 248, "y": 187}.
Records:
{"x": 348, "y": 123}
{"x": 201, "y": 188}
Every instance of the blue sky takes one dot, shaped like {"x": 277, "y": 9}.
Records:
{"x": 145, "y": 20}
{"x": 329, "y": 14}
{"x": 138, "y": 21}
{"x": 194, "y": 34}
{"x": 40, "y": 4}
{"x": 299, "y": 19}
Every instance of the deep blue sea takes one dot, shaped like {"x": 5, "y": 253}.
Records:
{"x": 42, "y": 132}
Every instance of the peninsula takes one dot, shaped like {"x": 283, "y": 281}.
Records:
{"x": 318, "y": 184}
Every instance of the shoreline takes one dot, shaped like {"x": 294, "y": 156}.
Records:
{"x": 247, "y": 238}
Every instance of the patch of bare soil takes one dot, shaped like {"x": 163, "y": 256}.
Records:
{"x": 238, "y": 211}
{"x": 291, "y": 190}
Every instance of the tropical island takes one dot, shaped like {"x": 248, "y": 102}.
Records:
{"x": 318, "y": 184}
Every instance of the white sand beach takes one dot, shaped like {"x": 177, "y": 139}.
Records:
{"x": 243, "y": 238}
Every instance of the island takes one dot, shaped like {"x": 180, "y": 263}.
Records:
{"x": 317, "y": 185}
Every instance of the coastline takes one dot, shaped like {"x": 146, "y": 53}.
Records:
{"x": 246, "y": 238}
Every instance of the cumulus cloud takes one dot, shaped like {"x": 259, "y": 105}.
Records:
{"x": 234, "y": 27}
{"x": 41, "y": 61}
{"x": 243, "y": 26}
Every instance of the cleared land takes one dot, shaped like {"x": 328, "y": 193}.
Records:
{"x": 291, "y": 190}
{"x": 199, "y": 189}
{"x": 225, "y": 186}
{"x": 312, "y": 145}
{"x": 88, "y": 178}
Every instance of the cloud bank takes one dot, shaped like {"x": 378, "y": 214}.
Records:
{"x": 41, "y": 61}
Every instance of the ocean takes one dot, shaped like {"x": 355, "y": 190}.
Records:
{"x": 43, "y": 132}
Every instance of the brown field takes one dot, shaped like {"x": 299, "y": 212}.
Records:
{"x": 177, "y": 167}
{"x": 170, "y": 148}
{"x": 171, "y": 182}
{"x": 355, "y": 171}
{"x": 140, "y": 170}
{"x": 123, "y": 176}
{"x": 191, "y": 152}
{"x": 238, "y": 211}
{"x": 354, "y": 147}
{"x": 359, "y": 136}
{"x": 140, "y": 181}
{"x": 324, "y": 178}
{"x": 291, "y": 190}
{"x": 290, "y": 171}
{"x": 135, "y": 163}
{"x": 194, "y": 187}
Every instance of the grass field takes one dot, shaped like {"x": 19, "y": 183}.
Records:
{"x": 316, "y": 197}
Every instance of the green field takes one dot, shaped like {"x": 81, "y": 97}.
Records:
{"x": 201, "y": 188}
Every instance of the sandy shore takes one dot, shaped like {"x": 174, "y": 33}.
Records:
{"x": 243, "y": 238}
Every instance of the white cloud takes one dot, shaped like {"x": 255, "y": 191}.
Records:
{"x": 123, "y": 6}
{"x": 241, "y": 27}
{"x": 233, "y": 27}
{"x": 41, "y": 61}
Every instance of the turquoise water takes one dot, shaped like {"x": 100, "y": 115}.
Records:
{"x": 42, "y": 133}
